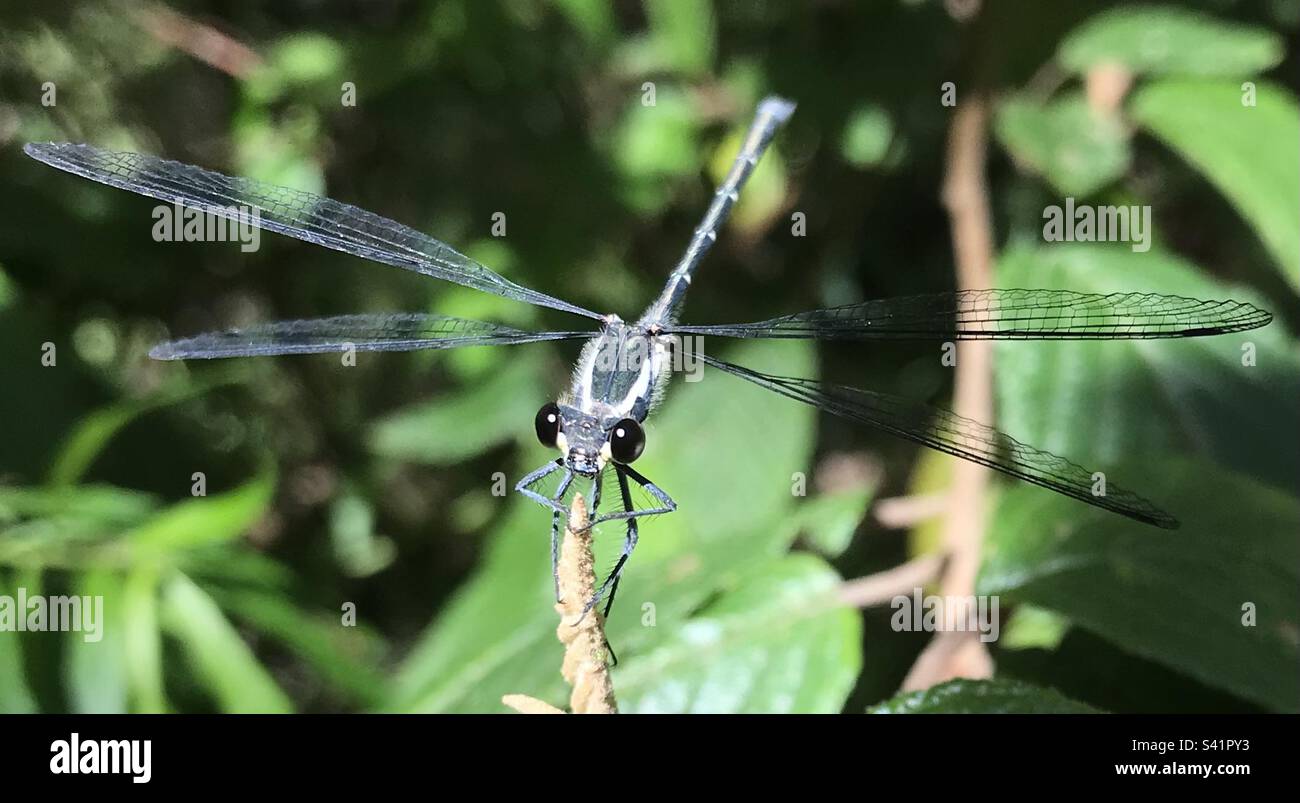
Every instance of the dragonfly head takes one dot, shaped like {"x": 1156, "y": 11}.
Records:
{"x": 586, "y": 441}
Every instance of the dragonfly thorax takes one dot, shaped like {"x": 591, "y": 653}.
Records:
{"x": 621, "y": 373}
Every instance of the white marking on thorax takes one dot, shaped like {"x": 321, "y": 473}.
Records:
{"x": 648, "y": 372}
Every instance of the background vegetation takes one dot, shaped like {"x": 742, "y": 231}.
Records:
{"x": 372, "y": 484}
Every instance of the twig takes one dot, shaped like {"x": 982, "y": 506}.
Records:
{"x": 902, "y": 512}
{"x": 201, "y": 41}
{"x": 881, "y": 587}
{"x": 965, "y": 194}
{"x": 585, "y": 664}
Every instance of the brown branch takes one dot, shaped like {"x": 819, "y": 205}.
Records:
{"x": 585, "y": 666}
{"x": 965, "y": 194}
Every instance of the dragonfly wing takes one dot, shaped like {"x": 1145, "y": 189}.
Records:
{"x": 962, "y": 437}
{"x": 389, "y": 332}
{"x": 296, "y": 213}
{"x": 1006, "y": 315}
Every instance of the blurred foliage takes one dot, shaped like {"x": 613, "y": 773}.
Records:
{"x": 599, "y": 129}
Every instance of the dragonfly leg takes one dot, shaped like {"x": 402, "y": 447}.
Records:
{"x": 555, "y": 533}
{"x": 630, "y": 515}
{"x": 666, "y": 503}
{"x": 524, "y": 486}
{"x": 629, "y": 544}
{"x": 595, "y": 495}
{"x": 556, "y": 506}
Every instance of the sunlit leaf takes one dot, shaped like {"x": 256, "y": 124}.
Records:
{"x": 206, "y": 520}
{"x": 1248, "y": 152}
{"x": 827, "y": 521}
{"x": 94, "y": 648}
{"x": 867, "y": 136}
{"x": 594, "y": 19}
{"x": 143, "y": 640}
{"x": 1032, "y": 627}
{"x": 982, "y": 697}
{"x": 220, "y": 659}
{"x": 1078, "y": 150}
{"x": 684, "y": 33}
{"x": 652, "y": 144}
{"x": 1166, "y": 40}
{"x": 778, "y": 643}
{"x": 1100, "y": 403}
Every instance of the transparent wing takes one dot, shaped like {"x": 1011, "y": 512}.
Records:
{"x": 1006, "y": 315}
{"x": 390, "y": 332}
{"x": 287, "y": 211}
{"x": 948, "y": 432}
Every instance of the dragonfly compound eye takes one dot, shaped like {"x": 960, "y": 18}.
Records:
{"x": 547, "y": 424}
{"x": 626, "y": 441}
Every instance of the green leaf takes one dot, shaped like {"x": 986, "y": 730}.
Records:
{"x": 1164, "y": 40}
{"x": 594, "y": 19}
{"x": 1183, "y": 598}
{"x": 1076, "y": 149}
{"x": 497, "y": 636}
{"x": 94, "y": 431}
{"x": 1092, "y": 670}
{"x": 67, "y": 527}
{"x": 221, "y": 661}
{"x": 778, "y": 643}
{"x": 867, "y": 136}
{"x": 466, "y": 423}
{"x": 828, "y": 522}
{"x": 206, "y": 520}
{"x": 684, "y": 33}
{"x": 345, "y": 657}
{"x": 104, "y": 504}
{"x": 15, "y": 696}
{"x": 982, "y": 697}
{"x": 650, "y": 146}
{"x": 1099, "y": 403}
{"x": 1031, "y": 627}
{"x": 94, "y": 653}
{"x": 1247, "y": 152}
{"x": 142, "y": 641}
{"x": 359, "y": 550}
{"x": 307, "y": 57}
{"x": 300, "y": 59}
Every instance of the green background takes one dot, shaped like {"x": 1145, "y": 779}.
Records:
{"x": 372, "y": 486}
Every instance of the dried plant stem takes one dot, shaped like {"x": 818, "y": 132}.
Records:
{"x": 585, "y": 664}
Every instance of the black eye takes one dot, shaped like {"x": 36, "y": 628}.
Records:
{"x": 626, "y": 441}
{"x": 547, "y": 423}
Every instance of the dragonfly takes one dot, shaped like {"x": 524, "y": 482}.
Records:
{"x": 624, "y": 367}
